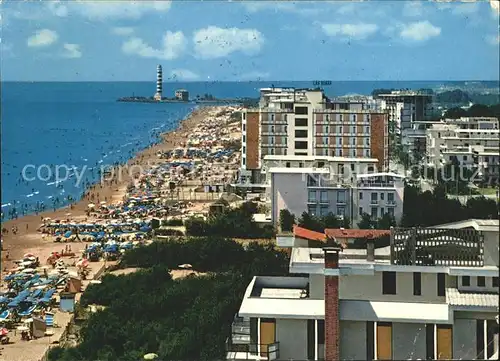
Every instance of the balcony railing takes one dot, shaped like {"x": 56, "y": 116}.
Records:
{"x": 437, "y": 247}
{"x": 252, "y": 351}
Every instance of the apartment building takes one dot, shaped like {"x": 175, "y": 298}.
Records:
{"x": 469, "y": 143}
{"x": 320, "y": 191}
{"x": 406, "y": 106}
{"x": 431, "y": 293}
{"x": 414, "y": 139}
{"x": 304, "y": 122}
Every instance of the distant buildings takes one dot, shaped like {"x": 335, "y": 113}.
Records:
{"x": 469, "y": 142}
{"x": 304, "y": 122}
{"x": 182, "y": 94}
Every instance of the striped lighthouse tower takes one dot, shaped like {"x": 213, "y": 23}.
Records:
{"x": 159, "y": 83}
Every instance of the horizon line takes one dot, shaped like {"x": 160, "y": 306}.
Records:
{"x": 243, "y": 81}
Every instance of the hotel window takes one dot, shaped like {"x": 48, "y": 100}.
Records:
{"x": 360, "y": 195}
{"x": 311, "y": 209}
{"x": 286, "y": 128}
{"x": 244, "y": 160}
{"x": 390, "y": 211}
{"x": 417, "y": 284}
{"x": 466, "y": 281}
{"x": 312, "y": 196}
{"x": 339, "y": 129}
{"x": 301, "y": 134}
{"x": 340, "y": 211}
{"x": 302, "y": 110}
{"x": 367, "y": 130}
{"x": 353, "y": 152}
{"x": 326, "y": 129}
{"x": 340, "y": 117}
{"x": 325, "y": 140}
{"x": 300, "y": 145}
{"x": 353, "y": 129}
{"x": 367, "y": 141}
{"x": 374, "y": 212}
{"x": 244, "y": 126}
{"x": 441, "y": 284}
{"x": 354, "y": 117}
{"x": 339, "y": 152}
{"x": 244, "y": 138}
{"x": 360, "y": 211}
{"x": 381, "y": 196}
{"x": 390, "y": 197}
{"x": 301, "y": 165}
{"x": 272, "y": 151}
{"x": 388, "y": 283}
{"x": 244, "y": 116}
{"x": 301, "y": 122}
{"x": 288, "y": 164}
{"x": 339, "y": 141}
{"x": 341, "y": 197}
{"x": 367, "y": 152}
{"x": 272, "y": 128}
{"x": 243, "y": 149}
{"x": 324, "y": 196}
{"x": 323, "y": 210}
{"x": 272, "y": 117}
{"x": 374, "y": 197}
{"x": 353, "y": 141}
{"x": 286, "y": 152}
{"x": 382, "y": 213}
{"x": 271, "y": 140}
{"x": 285, "y": 116}
{"x": 481, "y": 281}
{"x": 327, "y": 117}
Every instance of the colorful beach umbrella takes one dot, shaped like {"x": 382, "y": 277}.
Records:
{"x": 3, "y": 331}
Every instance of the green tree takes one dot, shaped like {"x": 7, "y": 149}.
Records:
{"x": 386, "y": 222}
{"x": 366, "y": 222}
{"x": 287, "y": 220}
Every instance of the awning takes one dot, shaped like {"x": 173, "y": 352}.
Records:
{"x": 404, "y": 312}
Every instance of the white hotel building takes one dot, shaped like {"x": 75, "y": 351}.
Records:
{"x": 431, "y": 294}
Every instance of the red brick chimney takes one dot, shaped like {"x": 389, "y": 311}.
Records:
{"x": 332, "y": 325}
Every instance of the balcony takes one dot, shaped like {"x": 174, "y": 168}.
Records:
{"x": 391, "y": 203}
{"x": 251, "y": 351}
{"x": 437, "y": 247}
{"x": 374, "y": 202}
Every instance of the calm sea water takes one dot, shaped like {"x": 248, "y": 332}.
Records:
{"x": 81, "y": 126}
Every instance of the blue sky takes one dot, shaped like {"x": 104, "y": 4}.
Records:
{"x": 242, "y": 40}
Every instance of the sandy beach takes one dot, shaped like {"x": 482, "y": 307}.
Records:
{"x": 28, "y": 240}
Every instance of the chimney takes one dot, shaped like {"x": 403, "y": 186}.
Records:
{"x": 332, "y": 317}
{"x": 370, "y": 249}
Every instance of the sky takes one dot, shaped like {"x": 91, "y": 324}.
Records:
{"x": 77, "y": 40}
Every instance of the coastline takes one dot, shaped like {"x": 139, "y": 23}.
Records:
{"x": 113, "y": 189}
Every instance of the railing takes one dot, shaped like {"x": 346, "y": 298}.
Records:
{"x": 437, "y": 247}
{"x": 252, "y": 351}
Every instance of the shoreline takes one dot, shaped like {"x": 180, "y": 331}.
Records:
{"x": 110, "y": 189}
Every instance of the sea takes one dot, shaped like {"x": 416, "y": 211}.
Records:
{"x": 56, "y": 136}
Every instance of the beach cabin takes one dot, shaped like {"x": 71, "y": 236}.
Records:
{"x": 67, "y": 302}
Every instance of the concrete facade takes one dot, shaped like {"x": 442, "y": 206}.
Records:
{"x": 292, "y": 336}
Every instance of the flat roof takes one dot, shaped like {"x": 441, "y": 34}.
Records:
{"x": 284, "y": 170}
{"x": 320, "y": 158}
{"x": 488, "y": 225}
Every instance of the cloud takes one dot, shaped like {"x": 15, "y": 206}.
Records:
{"x": 183, "y": 74}
{"x": 104, "y": 10}
{"x": 254, "y": 75}
{"x": 214, "y": 42}
{"x": 43, "y": 37}
{"x": 413, "y": 8}
{"x": 57, "y": 8}
{"x": 465, "y": 8}
{"x": 495, "y": 7}
{"x": 122, "y": 30}
{"x": 71, "y": 51}
{"x": 352, "y": 31}
{"x": 493, "y": 39}
{"x": 173, "y": 45}
{"x": 419, "y": 31}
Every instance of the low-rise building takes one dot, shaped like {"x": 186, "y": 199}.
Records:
{"x": 320, "y": 191}
{"x": 182, "y": 94}
{"x": 426, "y": 293}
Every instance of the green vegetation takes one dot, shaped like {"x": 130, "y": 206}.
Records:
{"x": 186, "y": 319}
{"x": 319, "y": 223}
{"x": 431, "y": 208}
{"x": 477, "y": 110}
{"x": 456, "y": 96}
{"x": 287, "y": 220}
{"x": 230, "y": 222}
{"x": 173, "y": 222}
{"x": 368, "y": 222}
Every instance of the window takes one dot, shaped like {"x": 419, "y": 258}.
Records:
{"x": 367, "y": 153}
{"x": 374, "y": 197}
{"x": 243, "y": 149}
{"x": 353, "y": 129}
{"x": 271, "y": 140}
{"x": 495, "y": 282}
{"x": 341, "y": 197}
{"x": 352, "y": 167}
{"x": 323, "y": 210}
{"x": 244, "y": 126}
{"x": 381, "y": 196}
{"x": 374, "y": 212}
{"x": 301, "y": 165}
{"x": 311, "y": 209}
{"x": 390, "y": 211}
{"x": 390, "y": 197}
{"x": 481, "y": 281}
{"x": 301, "y": 110}
{"x": 340, "y": 117}
{"x": 417, "y": 284}
{"x": 301, "y": 122}
{"x": 285, "y": 116}
{"x": 441, "y": 284}
{"x": 367, "y": 141}
{"x": 244, "y": 138}
{"x": 360, "y": 195}
{"x": 340, "y": 211}
{"x": 244, "y": 116}
{"x": 272, "y": 151}
{"x": 325, "y": 140}
{"x": 360, "y": 211}
{"x": 326, "y": 129}
{"x": 367, "y": 130}
{"x": 339, "y": 152}
{"x": 388, "y": 283}
{"x": 480, "y": 339}
{"x": 244, "y": 160}
{"x": 300, "y": 145}
{"x": 272, "y": 117}
{"x": 339, "y": 130}
{"x": 321, "y": 164}
{"x": 370, "y": 340}
{"x": 321, "y": 332}
{"x": 324, "y": 196}
{"x": 286, "y": 128}
{"x": 429, "y": 341}
{"x": 288, "y": 164}
{"x": 301, "y": 134}
{"x": 382, "y": 212}
{"x": 465, "y": 158}
{"x": 339, "y": 141}
{"x": 466, "y": 281}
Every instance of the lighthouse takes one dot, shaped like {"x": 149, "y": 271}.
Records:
{"x": 159, "y": 83}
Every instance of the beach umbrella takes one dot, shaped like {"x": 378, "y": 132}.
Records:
{"x": 3, "y": 331}
{"x": 150, "y": 356}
